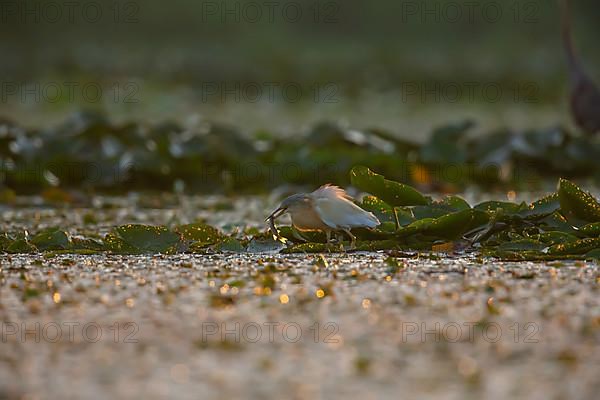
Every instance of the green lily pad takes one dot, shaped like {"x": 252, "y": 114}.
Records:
{"x": 388, "y": 227}
{"x": 593, "y": 255}
{"x": 134, "y": 239}
{"x": 230, "y": 245}
{"x": 51, "y": 239}
{"x": 591, "y": 230}
{"x": 576, "y": 204}
{"x": 393, "y": 193}
{"x": 374, "y": 245}
{"x": 21, "y": 246}
{"x": 381, "y": 209}
{"x": 542, "y": 207}
{"x": 308, "y": 248}
{"x": 505, "y": 206}
{"x": 5, "y": 241}
{"x": 310, "y": 236}
{"x": 557, "y": 222}
{"x": 201, "y": 233}
{"x": 453, "y": 203}
{"x": 449, "y": 226}
{"x": 431, "y": 211}
{"x": 87, "y": 244}
{"x": 578, "y": 247}
{"x": 521, "y": 245}
{"x": 555, "y": 237}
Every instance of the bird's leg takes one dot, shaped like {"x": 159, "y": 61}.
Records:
{"x": 328, "y": 235}
{"x": 352, "y": 239}
{"x": 298, "y": 236}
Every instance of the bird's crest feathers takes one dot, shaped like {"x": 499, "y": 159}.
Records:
{"x": 329, "y": 190}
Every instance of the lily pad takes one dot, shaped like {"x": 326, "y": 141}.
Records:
{"x": 555, "y": 237}
{"x": 200, "y": 233}
{"x": 375, "y": 245}
{"x": 593, "y": 255}
{"x": 453, "y": 203}
{"x": 230, "y": 245}
{"x": 576, "y": 204}
{"x": 308, "y": 248}
{"x": 87, "y": 244}
{"x": 133, "y": 239}
{"x": 21, "y": 246}
{"x": 522, "y": 245}
{"x": 505, "y": 206}
{"x": 381, "y": 209}
{"x": 542, "y": 207}
{"x": 579, "y": 247}
{"x": 393, "y": 193}
{"x": 51, "y": 239}
{"x": 450, "y": 226}
{"x": 591, "y": 230}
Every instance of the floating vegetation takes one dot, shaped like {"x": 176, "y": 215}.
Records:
{"x": 563, "y": 225}
{"x": 89, "y": 152}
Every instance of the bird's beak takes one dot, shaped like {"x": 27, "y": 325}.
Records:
{"x": 276, "y": 213}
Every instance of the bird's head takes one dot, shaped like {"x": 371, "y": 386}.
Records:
{"x": 291, "y": 204}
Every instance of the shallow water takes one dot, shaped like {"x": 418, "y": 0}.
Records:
{"x": 373, "y": 325}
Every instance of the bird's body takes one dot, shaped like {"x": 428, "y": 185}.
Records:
{"x": 327, "y": 209}
{"x": 584, "y": 97}
{"x": 585, "y": 105}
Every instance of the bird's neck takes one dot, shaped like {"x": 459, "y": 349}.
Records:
{"x": 574, "y": 65}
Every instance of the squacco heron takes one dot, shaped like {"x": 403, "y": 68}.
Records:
{"x": 327, "y": 209}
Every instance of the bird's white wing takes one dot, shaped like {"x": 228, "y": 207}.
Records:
{"x": 337, "y": 210}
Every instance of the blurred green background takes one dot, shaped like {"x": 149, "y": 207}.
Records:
{"x": 370, "y": 51}
{"x": 204, "y": 80}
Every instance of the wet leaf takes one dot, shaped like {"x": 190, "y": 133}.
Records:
{"x": 21, "y": 246}
{"x": 5, "y": 241}
{"x": 542, "y": 207}
{"x": 307, "y": 248}
{"x": 504, "y": 206}
{"x": 87, "y": 244}
{"x": 201, "y": 233}
{"x": 422, "y": 212}
{"x": 449, "y": 226}
{"x": 381, "y": 209}
{"x": 375, "y": 245}
{"x": 309, "y": 236}
{"x": 393, "y": 193}
{"x": 591, "y": 230}
{"x": 453, "y": 203}
{"x": 555, "y": 237}
{"x": 522, "y": 245}
{"x": 132, "y": 239}
{"x": 578, "y": 247}
{"x": 593, "y": 255}
{"x": 557, "y": 222}
{"x": 230, "y": 245}
{"x": 51, "y": 239}
{"x": 576, "y": 204}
